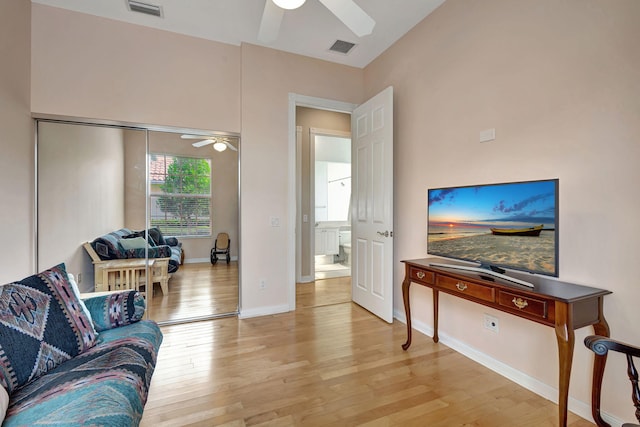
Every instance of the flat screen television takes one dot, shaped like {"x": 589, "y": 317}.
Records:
{"x": 500, "y": 226}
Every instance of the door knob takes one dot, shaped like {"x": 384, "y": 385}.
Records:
{"x": 385, "y": 233}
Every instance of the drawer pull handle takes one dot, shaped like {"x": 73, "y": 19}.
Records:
{"x": 420, "y": 275}
{"x": 520, "y": 303}
{"x": 461, "y": 286}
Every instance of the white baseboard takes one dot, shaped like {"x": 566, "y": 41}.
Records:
{"x": 576, "y": 406}
{"x": 263, "y": 311}
{"x": 306, "y": 279}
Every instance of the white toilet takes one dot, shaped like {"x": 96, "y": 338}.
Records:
{"x": 344, "y": 238}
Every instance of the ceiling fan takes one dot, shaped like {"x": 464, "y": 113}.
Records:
{"x": 351, "y": 15}
{"x": 220, "y": 143}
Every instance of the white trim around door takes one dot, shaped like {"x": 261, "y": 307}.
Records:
{"x": 296, "y": 100}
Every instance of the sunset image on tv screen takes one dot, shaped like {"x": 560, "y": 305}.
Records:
{"x": 512, "y": 225}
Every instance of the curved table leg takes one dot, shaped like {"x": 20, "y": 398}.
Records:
{"x": 407, "y": 309}
{"x": 566, "y": 340}
{"x": 600, "y": 328}
{"x": 435, "y": 314}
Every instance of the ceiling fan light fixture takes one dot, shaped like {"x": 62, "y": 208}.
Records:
{"x": 288, "y": 4}
{"x": 219, "y": 146}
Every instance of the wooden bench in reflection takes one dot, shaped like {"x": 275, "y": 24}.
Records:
{"x": 130, "y": 273}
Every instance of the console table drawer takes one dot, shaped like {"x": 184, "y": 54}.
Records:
{"x": 422, "y": 276}
{"x": 462, "y": 287}
{"x": 532, "y": 306}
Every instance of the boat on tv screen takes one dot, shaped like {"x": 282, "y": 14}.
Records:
{"x": 509, "y": 225}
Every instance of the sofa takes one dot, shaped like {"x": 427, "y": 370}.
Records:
{"x": 119, "y": 252}
{"x": 73, "y": 362}
{"x": 125, "y": 243}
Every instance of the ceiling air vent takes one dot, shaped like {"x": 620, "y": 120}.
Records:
{"x": 146, "y": 8}
{"x": 342, "y": 46}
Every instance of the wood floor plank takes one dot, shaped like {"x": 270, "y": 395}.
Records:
{"x": 328, "y": 364}
{"x": 196, "y": 290}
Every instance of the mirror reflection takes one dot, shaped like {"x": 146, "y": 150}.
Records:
{"x": 137, "y": 209}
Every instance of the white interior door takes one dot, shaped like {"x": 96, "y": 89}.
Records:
{"x": 372, "y": 205}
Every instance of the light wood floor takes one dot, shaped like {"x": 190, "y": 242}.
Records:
{"x": 202, "y": 289}
{"x": 323, "y": 292}
{"x": 328, "y": 365}
{"x": 197, "y": 290}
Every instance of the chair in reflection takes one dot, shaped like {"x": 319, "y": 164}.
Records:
{"x": 601, "y": 346}
{"x": 221, "y": 246}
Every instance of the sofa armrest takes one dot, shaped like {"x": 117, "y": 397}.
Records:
{"x": 115, "y": 309}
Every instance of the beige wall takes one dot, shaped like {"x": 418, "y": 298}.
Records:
{"x": 268, "y": 76}
{"x": 85, "y": 66}
{"x": 308, "y": 118}
{"x": 80, "y": 193}
{"x": 558, "y": 80}
{"x": 16, "y": 142}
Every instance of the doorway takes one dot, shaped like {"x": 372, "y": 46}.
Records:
{"x": 313, "y": 123}
{"x": 372, "y": 204}
{"x": 330, "y": 170}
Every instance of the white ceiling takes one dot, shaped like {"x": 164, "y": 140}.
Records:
{"x": 309, "y": 30}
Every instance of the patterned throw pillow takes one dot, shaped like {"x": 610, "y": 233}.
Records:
{"x": 115, "y": 309}
{"x": 42, "y": 324}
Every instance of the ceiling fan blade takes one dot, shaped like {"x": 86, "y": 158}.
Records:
{"x": 203, "y": 142}
{"x": 351, "y": 15}
{"x": 192, "y": 136}
{"x": 270, "y": 24}
{"x": 230, "y": 146}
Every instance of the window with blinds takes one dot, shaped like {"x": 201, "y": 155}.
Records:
{"x": 180, "y": 195}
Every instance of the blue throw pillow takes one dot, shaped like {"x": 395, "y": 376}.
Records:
{"x": 115, "y": 309}
{"x": 42, "y": 324}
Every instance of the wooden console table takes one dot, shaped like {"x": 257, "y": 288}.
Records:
{"x": 563, "y": 306}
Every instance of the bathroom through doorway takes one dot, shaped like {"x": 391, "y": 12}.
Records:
{"x": 332, "y": 195}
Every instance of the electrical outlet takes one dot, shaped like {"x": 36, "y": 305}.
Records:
{"x": 491, "y": 323}
{"x": 79, "y": 278}
{"x": 263, "y": 284}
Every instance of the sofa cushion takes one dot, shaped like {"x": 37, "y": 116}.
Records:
{"x": 42, "y": 324}
{"x": 105, "y": 386}
{"x": 116, "y": 309}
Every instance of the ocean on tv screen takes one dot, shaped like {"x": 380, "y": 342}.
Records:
{"x": 513, "y": 225}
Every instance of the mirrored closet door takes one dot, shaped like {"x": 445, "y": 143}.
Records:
{"x": 131, "y": 208}
{"x": 193, "y": 196}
